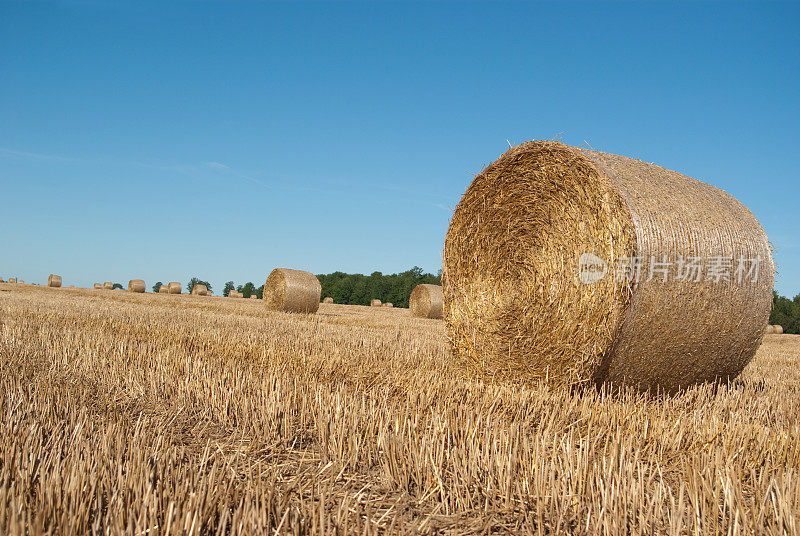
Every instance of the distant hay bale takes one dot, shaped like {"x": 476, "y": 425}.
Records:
{"x": 108, "y": 285}
{"x": 426, "y": 301}
{"x": 1, "y": 280}
{"x": 234, "y": 294}
{"x": 769, "y": 330}
{"x": 136, "y": 285}
{"x": 200, "y": 290}
{"x": 98, "y": 286}
{"x": 777, "y": 330}
{"x": 253, "y": 296}
{"x": 174, "y": 287}
{"x": 375, "y": 303}
{"x": 12, "y": 279}
{"x": 541, "y": 278}
{"x": 293, "y": 291}
{"x": 54, "y": 281}
{"x": 163, "y": 289}
{"x": 388, "y": 304}
{"x": 328, "y": 300}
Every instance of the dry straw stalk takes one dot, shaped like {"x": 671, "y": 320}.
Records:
{"x": 426, "y": 301}
{"x": 54, "y": 281}
{"x": 294, "y": 291}
{"x": 136, "y": 285}
{"x": 515, "y": 304}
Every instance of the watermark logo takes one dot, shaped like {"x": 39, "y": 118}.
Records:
{"x": 692, "y": 269}
{"x": 592, "y": 268}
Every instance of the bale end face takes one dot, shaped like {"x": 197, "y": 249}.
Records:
{"x": 293, "y": 291}
{"x": 375, "y": 303}
{"x": 54, "y": 281}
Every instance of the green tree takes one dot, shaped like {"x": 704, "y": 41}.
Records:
{"x": 157, "y": 286}
{"x": 116, "y": 286}
{"x": 247, "y": 289}
{"x": 229, "y": 286}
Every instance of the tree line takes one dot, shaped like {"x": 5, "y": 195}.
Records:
{"x": 785, "y": 313}
{"x": 359, "y": 289}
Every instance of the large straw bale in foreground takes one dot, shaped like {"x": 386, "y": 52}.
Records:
{"x": 293, "y": 291}
{"x": 536, "y": 285}
{"x": 426, "y": 301}
{"x": 54, "y": 281}
{"x": 136, "y": 285}
{"x": 174, "y": 287}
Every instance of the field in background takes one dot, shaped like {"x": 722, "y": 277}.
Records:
{"x": 158, "y": 414}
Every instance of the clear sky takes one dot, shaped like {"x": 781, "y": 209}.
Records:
{"x": 163, "y": 140}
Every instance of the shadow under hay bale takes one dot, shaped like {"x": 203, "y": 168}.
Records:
{"x": 548, "y": 272}
{"x": 294, "y": 291}
{"x": 54, "y": 281}
{"x": 136, "y": 285}
{"x": 426, "y": 301}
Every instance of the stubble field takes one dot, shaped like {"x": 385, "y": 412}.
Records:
{"x": 157, "y": 414}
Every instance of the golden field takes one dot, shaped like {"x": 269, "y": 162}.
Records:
{"x": 160, "y": 414}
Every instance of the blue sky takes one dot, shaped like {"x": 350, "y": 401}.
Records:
{"x": 139, "y": 139}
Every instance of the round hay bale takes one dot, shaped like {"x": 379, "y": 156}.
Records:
{"x": 12, "y": 279}
{"x": 98, "y": 286}
{"x": 293, "y": 291}
{"x": 54, "y": 281}
{"x": 136, "y": 285}
{"x": 777, "y": 330}
{"x": 108, "y": 285}
{"x": 253, "y": 297}
{"x": 426, "y": 301}
{"x": 174, "y": 287}
{"x": 375, "y": 303}
{"x": 549, "y": 272}
{"x": 200, "y": 290}
{"x": 769, "y": 330}
{"x": 163, "y": 289}
{"x": 388, "y": 304}
{"x": 328, "y": 299}
{"x": 234, "y": 294}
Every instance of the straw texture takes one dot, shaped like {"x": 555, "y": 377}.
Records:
{"x": 426, "y": 301}
{"x": 294, "y": 291}
{"x": 174, "y": 287}
{"x": 200, "y": 290}
{"x": 54, "y": 281}
{"x": 516, "y": 306}
{"x": 375, "y": 303}
{"x": 136, "y": 285}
